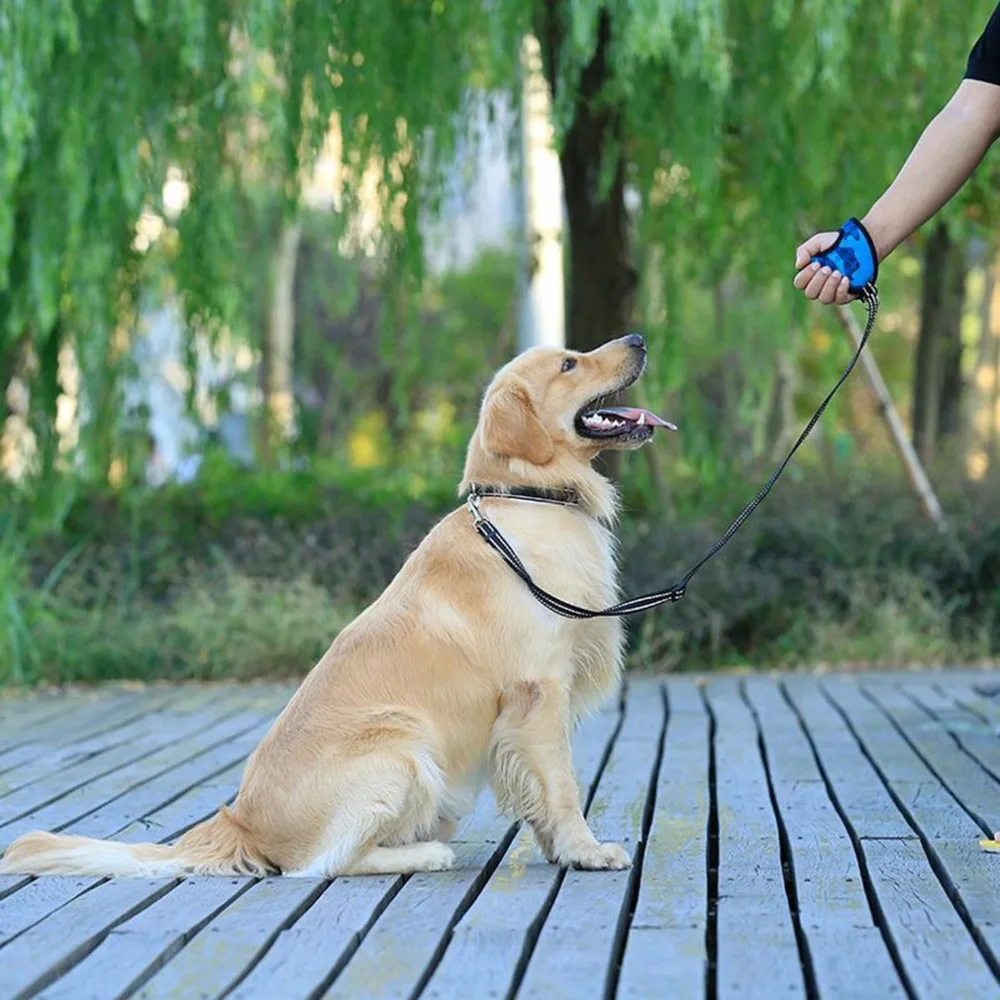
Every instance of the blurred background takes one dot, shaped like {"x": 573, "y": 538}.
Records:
{"x": 258, "y": 260}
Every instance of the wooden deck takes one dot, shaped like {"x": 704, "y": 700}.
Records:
{"x": 792, "y": 837}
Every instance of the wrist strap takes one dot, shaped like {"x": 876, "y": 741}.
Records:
{"x": 853, "y": 255}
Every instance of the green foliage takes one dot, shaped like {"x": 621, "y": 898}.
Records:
{"x": 738, "y": 120}
{"x": 740, "y": 123}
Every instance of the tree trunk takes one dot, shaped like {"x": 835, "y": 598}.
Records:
{"x": 950, "y": 410}
{"x": 44, "y": 406}
{"x": 937, "y": 378}
{"x": 279, "y": 401}
{"x": 781, "y": 426}
{"x": 602, "y": 276}
{"x": 655, "y": 309}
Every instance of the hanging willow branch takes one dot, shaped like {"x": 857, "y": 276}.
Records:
{"x": 734, "y": 116}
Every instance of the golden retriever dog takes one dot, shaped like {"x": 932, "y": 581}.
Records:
{"x": 454, "y": 677}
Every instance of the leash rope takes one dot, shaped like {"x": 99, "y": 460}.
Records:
{"x": 493, "y": 537}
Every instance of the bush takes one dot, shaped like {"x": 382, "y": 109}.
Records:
{"x": 246, "y": 576}
{"x": 826, "y": 571}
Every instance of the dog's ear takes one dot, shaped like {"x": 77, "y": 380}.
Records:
{"x": 511, "y": 427}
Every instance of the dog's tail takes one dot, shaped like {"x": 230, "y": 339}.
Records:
{"x": 220, "y": 846}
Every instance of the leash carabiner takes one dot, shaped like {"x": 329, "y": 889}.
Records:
{"x": 472, "y": 502}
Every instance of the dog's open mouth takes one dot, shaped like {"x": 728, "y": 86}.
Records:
{"x": 619, "y": 422}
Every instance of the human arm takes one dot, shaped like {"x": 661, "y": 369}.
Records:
{"x": 945, "y": 156}
{"x": 943, "y": 159}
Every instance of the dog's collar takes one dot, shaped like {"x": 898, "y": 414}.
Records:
{"x": 534, "y": 494}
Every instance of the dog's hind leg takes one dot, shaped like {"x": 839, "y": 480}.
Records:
{"x": 426, "y": 856}
{"x": 389, "y": 798}
{"x": 533, "y": 775}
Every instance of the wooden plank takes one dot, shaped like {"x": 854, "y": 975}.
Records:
{"x": 665, "y": 953}
{"x": 935, "y": 698}
{"x": 911, "y": 900}
{"x": 975, "y": 877}
{"x": 859, "y": 790}
{"x": 165, "y": 791}
{"x": 66, "y": 720}
{"x": 111, "y": 710}
{"x": 145, "y": 797}
{"x": 86, "y": 772}
{"x": 217, "y": 957}
{"x": 972, "y": 696}
{"x": 20, "y": 714}
{"x": 932, "y": 807}
{"x": 576, "y": 950}
{"x": 400, "y": 946}
{"x": 78, "y": 713}
{"x": 64, "y": 728}
{"x": 852, "y": 963}
{"x": 137, "y": 947}
{"x": 36, "y": 900}
{"x": 39, "y": 897}
{"x": 940, "y": 958}
{"x": 672, "y": 893}
{"x": 44, "y": 951}
{"x": 491, "y": 935}
{"x": 8, "y": 883}
{"x": 55, "y": 756}
{"x": 181, "y": 813}
{"x": 756, "y": 938}
{"x": 664, "y": 962}
{"x": 307, "y": 955}
{"x": 828, "y": 882}
{"x": 829, "y": 886}
{"x": 87, "y": 798}
{"x": 976, "y": 790}
{"x": 977, "y": 738}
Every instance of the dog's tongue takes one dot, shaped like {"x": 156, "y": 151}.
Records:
{"x": 638, "y": 415}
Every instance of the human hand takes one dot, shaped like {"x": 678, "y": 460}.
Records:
{"x": 822, "y": 283}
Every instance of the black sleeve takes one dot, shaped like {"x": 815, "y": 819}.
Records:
{"x": 984, "y": 59}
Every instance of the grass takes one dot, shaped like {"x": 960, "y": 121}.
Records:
{"x": 222, "y": 625}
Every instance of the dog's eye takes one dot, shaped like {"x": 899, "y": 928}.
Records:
{"x": 569, "y": 364}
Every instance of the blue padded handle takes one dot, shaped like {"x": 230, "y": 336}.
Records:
{"x": 853, "y": 255}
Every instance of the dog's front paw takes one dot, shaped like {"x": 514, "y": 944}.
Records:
{"x": 602, "y": 857}
{"x": 435, "y": 857}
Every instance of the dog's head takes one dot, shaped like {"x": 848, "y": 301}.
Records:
{"x": 546, "y": 416}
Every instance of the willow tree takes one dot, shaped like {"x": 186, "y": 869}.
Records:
{"x": 99, "y": 98}
{"x": 807, "y": 125}
{"x": 727, "y": 118}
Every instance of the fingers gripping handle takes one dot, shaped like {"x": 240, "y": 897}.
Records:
{"x": 853, "y": 255}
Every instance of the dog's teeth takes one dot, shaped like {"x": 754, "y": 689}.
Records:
{"x": 642, "y": 419}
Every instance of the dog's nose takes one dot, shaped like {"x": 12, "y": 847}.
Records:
{"x": 635, "y": 340}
